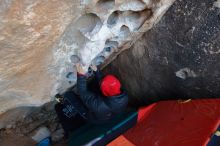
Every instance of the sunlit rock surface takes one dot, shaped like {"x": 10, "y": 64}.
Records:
{"x": 38, "y": 39}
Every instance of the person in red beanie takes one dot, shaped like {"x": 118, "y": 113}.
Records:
{"x": 104, "y": 103}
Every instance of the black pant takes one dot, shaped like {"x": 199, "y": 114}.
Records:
{"x": 67, "y": 113}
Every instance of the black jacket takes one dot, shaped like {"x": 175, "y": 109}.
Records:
{"x": 100, "y": 108}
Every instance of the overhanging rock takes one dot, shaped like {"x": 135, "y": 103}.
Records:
{"x": 38, "y": 38}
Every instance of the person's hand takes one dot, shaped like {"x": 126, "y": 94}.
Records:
{"x": 80, "y": 69}
{"x": 93, "y": 67}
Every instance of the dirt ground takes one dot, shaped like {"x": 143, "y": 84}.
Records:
{"x": 19, "y": 133}
{"x": 13, "y": 140}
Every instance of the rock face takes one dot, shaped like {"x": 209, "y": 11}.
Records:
{"x": 28, "y": 30}
{"x": 178, "y": 58}
{"x": 39, "y": 39}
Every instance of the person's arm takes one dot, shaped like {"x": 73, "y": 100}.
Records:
{"x": 98, "y": 73}
{"x": 81, "y": 84}
{"x": 91, "y": 101}
{"x": 81, "y": 79}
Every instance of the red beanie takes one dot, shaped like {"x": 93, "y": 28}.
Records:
{"x": 110, "y": 86}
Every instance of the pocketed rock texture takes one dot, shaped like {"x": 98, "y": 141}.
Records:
{"x": 178, "y": 58}
{"x": 39, "y": 39}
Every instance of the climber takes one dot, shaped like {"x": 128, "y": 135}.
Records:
{"x": 95, "y": 102}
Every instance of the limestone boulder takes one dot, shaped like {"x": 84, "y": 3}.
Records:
{"x": 40, "y": 41}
